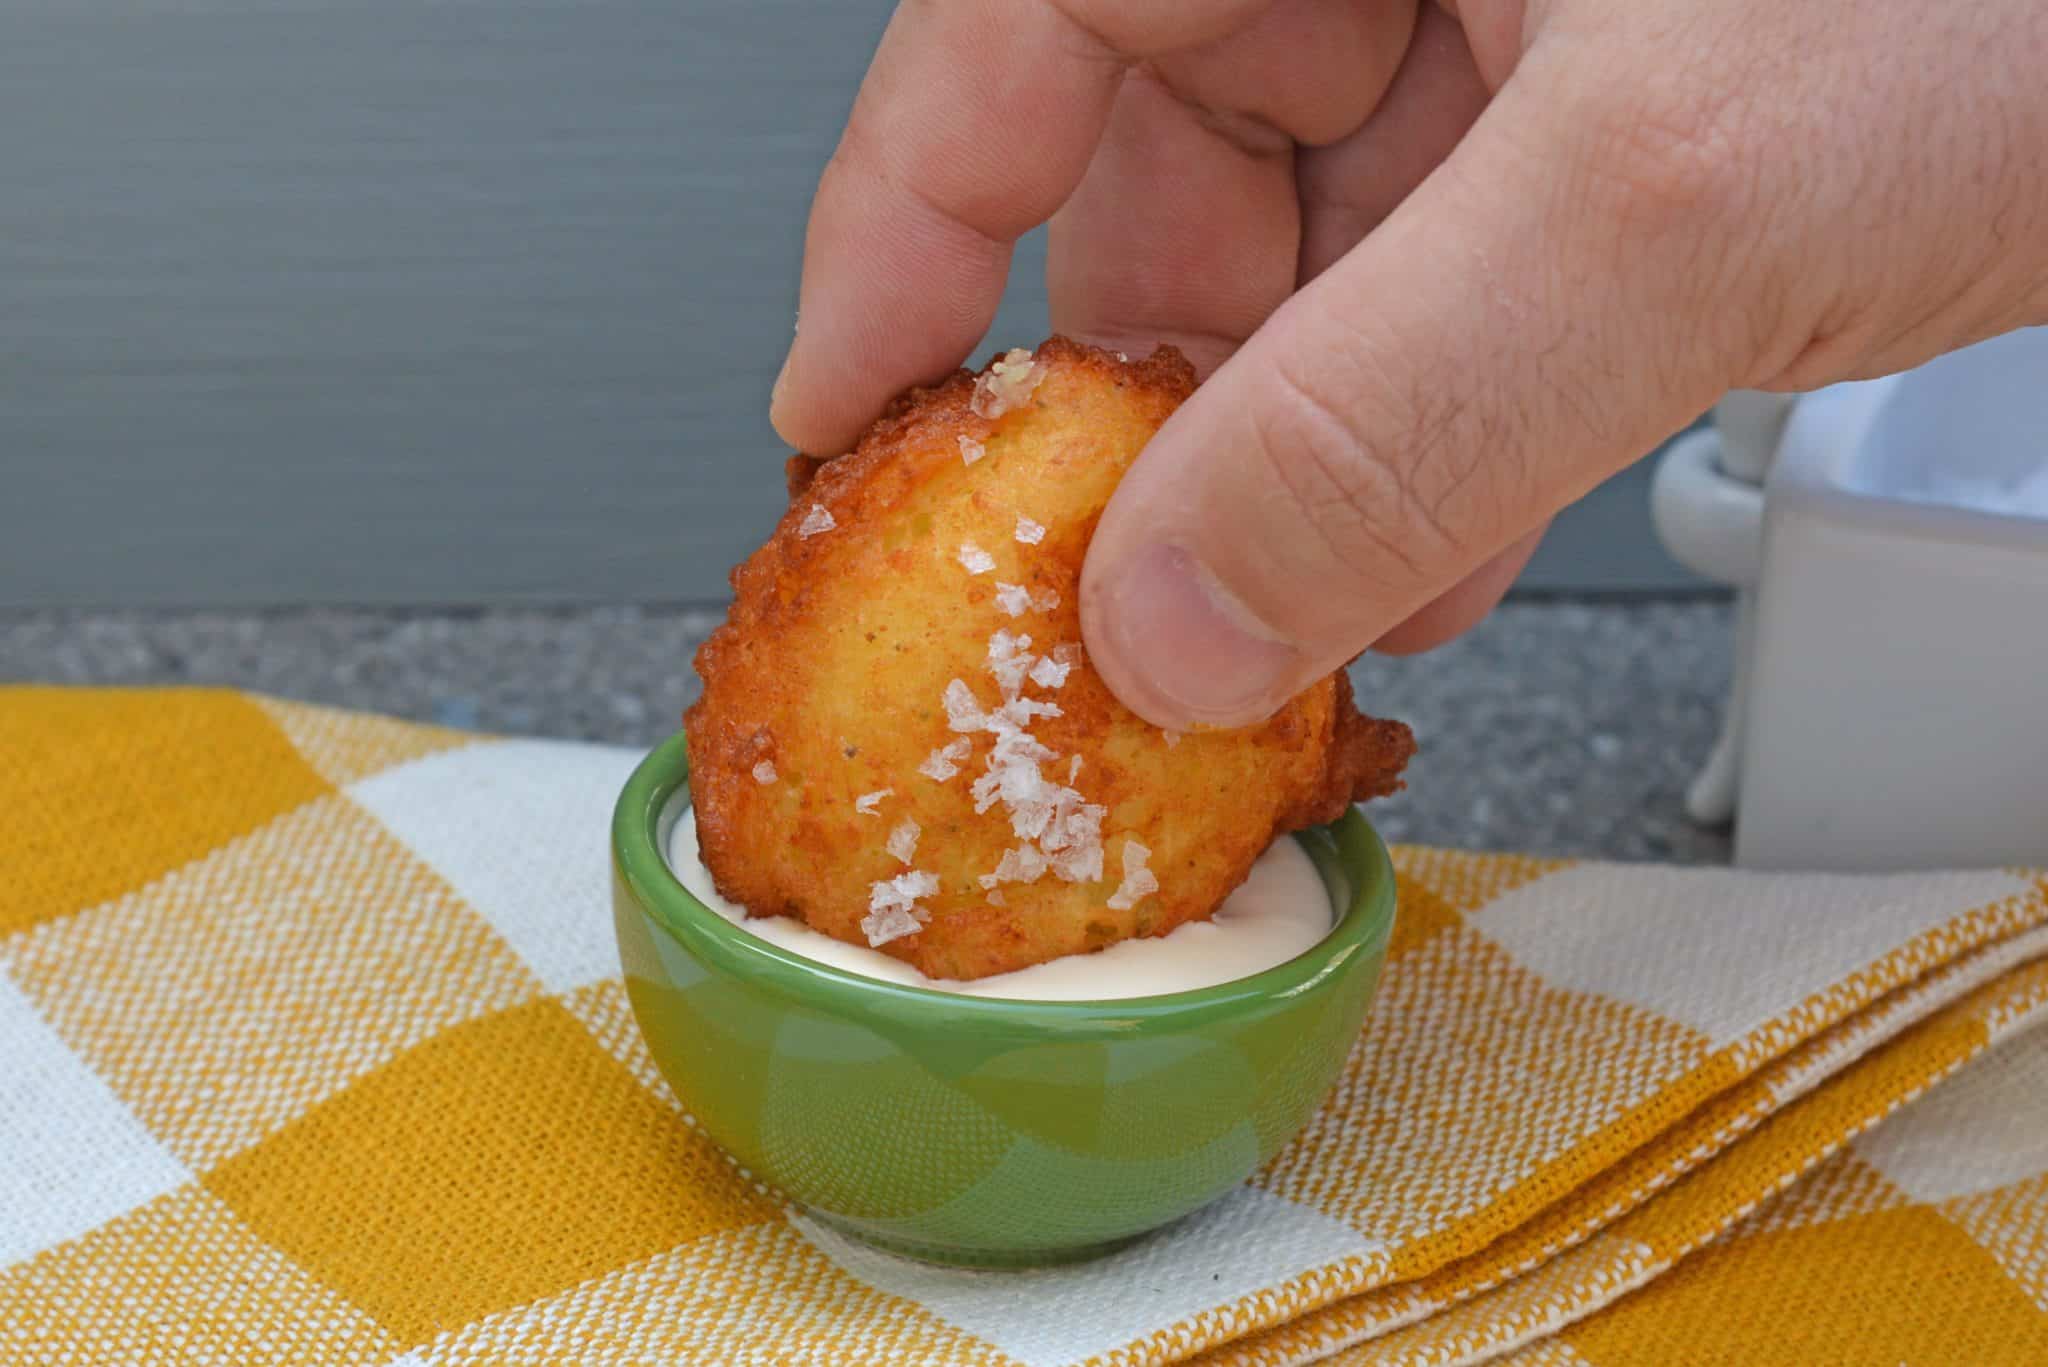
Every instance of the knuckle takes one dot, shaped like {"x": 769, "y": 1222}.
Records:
{"x": 940, "y": 189}
{"x": 1670, "y": 161}
{"x": 1350, "y": 491}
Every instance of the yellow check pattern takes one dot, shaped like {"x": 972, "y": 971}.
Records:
{"x": 312, "y": 1050}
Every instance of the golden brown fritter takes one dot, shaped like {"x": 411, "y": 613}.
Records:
{"x": 900, "y": 740}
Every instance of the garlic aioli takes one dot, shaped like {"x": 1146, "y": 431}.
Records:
{"x": 1281, "y": 910}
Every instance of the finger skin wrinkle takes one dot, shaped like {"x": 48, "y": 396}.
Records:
{"x": 1146, "y": 29}
{"x": 992, "y": 236}
{"x": 1248, "y": 133}
{"x": 1445, "y": 459}
{"x": 994, "y": 215}
{"x": 1670, "y": 166}
{"x": 1344, "y": 489}
{"x": 1306, "y": 72}
{"x": 1339, "y": 213}
{"x": 962, "y": 135}
{"x": 1088, "y": 42}
{"x": 1426, "y": 476}
{"x": 1563, "y": 352}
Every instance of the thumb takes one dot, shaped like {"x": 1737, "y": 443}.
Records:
{"x": 1527, "y": 322}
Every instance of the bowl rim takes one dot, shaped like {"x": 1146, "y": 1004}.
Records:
{"x": 1348, "y": 853}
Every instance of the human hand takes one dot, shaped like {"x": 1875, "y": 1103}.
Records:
{"x": 1451, "y": 267}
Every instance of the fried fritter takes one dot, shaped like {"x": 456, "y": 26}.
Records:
{"x": 900, "y": 740}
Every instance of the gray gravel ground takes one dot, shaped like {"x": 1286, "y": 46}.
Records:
{"x": 1556, "y": 728}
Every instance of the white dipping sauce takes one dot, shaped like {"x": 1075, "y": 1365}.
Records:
{"x": 1281, "y": 910}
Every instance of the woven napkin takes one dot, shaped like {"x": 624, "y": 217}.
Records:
{"x": 313, "y": 1049}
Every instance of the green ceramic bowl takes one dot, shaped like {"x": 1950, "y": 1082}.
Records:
{"x": 975, "y": 1130}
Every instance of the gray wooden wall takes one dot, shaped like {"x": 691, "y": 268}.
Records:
{"x": 431, "y": 301}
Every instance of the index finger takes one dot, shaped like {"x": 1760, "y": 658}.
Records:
{"x": 975, "y": 122}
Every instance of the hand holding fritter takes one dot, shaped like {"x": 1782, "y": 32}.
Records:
{"x": 900, "y": 740}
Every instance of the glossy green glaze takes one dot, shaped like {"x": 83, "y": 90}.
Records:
{"x": 975, "y": 1130}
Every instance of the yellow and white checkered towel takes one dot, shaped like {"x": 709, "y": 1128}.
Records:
{"x": 313, "y": 1049}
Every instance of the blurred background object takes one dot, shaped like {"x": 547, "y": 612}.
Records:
{"x": 377, "y": 303}
{"x": 1888, "y": 540}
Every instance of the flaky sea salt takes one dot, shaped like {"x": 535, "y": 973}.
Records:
{"x": 977, "y": 560}
{"x": 1138, "y": 883}
{"x": 1044, "y": 819}
{"x": 1009, "y": 660}
{"x": 869, "y": 804}
{"x": 1023, "y": 864}
{"x": 1014, "y": 745}
{"x": 1050, "y": 673}
{"x": 893, "y": 909}
{"x": 1081, "y": 864}
{"x": 1172, "y": 738}
{"x": 1007, "y": 384}
{"x": 1014, "y": 599}
{"x": 903, "y": 841}
{"x": 764, "y": 772}
{"x": 1028, "y": 819}
{"x": 890, "y": 923}
{"x": 816, "y": 521}
{"x": 1029, "y": 532}
{"x": 1061, "y": 831}
{"x": 903, "y": 890}
{"x": 944, "y": 762}
{"x": 1074, "y": 825}
{"x": 963, "y": 712}
{"x": 1012, "y": 779}
{"x": 970, "y": 449}
{"x": 1020, "y": 712}
{"x": 1067, "y": 829}
{"x": 1017, "y": 600}
{"x": 995, "y": 898}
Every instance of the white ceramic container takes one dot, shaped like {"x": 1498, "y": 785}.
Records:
{"x": 1895, "y": 709}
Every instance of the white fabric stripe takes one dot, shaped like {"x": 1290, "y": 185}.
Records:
{"x": 520, "y": 828}
{"x": 1721, "y": 950}
{"x": 1877, "y": 1024}
{"x": 1974, "y": 1132}
{"x": 1046, "y": 1317}
{"x": 71, "y": 1156}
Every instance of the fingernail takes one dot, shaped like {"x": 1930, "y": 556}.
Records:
{"x": 1178, "y": 636}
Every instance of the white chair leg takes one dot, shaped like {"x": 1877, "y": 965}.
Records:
{"x": 1707, "y": 503}
{"x": 1710, "y": 800}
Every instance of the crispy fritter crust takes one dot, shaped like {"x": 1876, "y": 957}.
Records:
{"x": 833, "y": 660}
